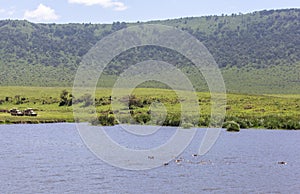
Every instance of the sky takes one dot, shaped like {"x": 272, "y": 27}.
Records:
{"x": 108, "y": 11}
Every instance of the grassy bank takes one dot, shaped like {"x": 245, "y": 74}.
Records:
{"x": 250, "y": 111}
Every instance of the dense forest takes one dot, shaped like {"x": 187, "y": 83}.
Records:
{"x": 246, "y": 47}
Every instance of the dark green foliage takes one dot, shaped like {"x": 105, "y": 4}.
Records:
{"x": 264, "y": 42}
{"x": 172, "y": 120}
{"x": 204, "y": 120}
{"x": 102, "y": 101}
{"x": 232, "y": 126}
{"x": 135, "y": 102}
{"x": 105, "y": 120}
{"x": 142, "y": 118}
{"x": 65, "y": 98}
{"x": 18, "y": 99}
{"x": 268, "y": 122}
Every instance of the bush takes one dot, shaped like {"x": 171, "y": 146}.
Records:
{"x": 135, "y": 102}
{"x": 172, "y": 120}
{"x": 204, "y": 120}
{"x": 142, "y": 118}
{"x": 232, "y": 126}
{"x": 105, "y": 120}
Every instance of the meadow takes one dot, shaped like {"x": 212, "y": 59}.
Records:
{"x": 278, "y": 111}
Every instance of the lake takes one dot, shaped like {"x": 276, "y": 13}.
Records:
{"x": 51, "y": 158}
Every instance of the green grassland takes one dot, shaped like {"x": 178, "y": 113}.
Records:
{"x": 257, "y": 54}
{"x": 250, "y": 111}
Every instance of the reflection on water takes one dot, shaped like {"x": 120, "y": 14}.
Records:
{"x": 52, "y": 159}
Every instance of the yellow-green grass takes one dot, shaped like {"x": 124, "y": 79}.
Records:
{"x": 263, "y": 105}
{"x": 278, "y": 109}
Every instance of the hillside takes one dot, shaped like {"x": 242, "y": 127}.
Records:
{"x": 257, "y": 52}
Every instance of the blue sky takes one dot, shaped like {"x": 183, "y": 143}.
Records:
{"x": 108, "y": 11}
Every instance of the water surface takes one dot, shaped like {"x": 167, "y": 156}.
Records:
{"x": 51, "y": 158}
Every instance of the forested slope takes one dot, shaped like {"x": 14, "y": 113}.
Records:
{"x": 245, "y": 46}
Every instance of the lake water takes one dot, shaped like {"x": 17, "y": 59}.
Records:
{"x": 51, "y": 158}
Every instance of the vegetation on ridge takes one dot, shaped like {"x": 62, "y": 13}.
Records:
{"x": 260, "y": 43}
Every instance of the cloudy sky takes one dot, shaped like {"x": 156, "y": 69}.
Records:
{"x": 108, "y": 11}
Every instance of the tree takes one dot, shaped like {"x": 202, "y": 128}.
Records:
{"x": 65, "y": 98}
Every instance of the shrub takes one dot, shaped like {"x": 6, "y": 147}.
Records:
{"x": 204, "y": 120}
{"x": 172, "y": 120}
{"x": 142, "y": 118}
{"x": 232, "y": 126}
{"x": 135, "y": 102}
{"x": 104, "y": 120}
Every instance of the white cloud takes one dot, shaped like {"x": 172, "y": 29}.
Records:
{"x": 116, "y": 5}
{"x": 42, "y": 13}
{"x": 9, "y": 12}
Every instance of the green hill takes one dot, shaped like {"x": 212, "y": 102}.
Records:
{"x": 257, "y": 52}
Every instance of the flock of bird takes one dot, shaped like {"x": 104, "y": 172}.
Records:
{"x": 181, "y": 160}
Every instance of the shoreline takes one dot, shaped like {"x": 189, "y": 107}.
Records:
{"x": 73, "y": 122}
{"x": 28, "y": 122}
